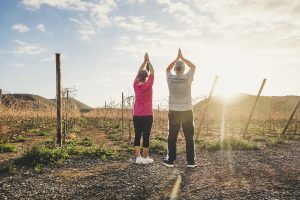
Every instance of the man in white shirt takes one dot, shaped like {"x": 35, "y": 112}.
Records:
{"x": 180, "y": 109}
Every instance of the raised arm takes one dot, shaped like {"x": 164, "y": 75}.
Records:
{"x": 188, "y": 63}
{"x": 172, "y": 64}
{"x": 143, "y": 65}
{"x": 149, "y": 64}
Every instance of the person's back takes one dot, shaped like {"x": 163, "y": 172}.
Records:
{"x": 143, "y": 97}
{"x": 180, "y": 109}
{"x": 180, "y": 98}
{"x": 142, "y": 112}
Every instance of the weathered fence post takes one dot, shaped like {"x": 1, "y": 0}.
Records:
{"x": 66, "y": 120}
{"x": 122, "y": 121}
{"x": 58, "y": 100}
{"x": 105, "y": 111}
{"x": 129, "y": 132}
{"x": 0, "y": 97}
{"x": 253, "y": 108}
{"x": 205, "y": 108}
{"x": 291, "y": 117}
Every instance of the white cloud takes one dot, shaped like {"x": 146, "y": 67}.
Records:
{"x": 28, "y": 49}
{"x": 42, "y": 28}
{"x": 132, "y": 2}
{"x": 86, "y": 29}
{"x": 78, "y": 5}
{"x": 20, "y": 28}
{"x": 133, "y": 23}
{"x": 96, "y": 13}
{"x": 100, "y": 12}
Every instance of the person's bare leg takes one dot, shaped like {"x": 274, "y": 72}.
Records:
{"x": 137, "y": 151}
{"x": 145, "y": 152}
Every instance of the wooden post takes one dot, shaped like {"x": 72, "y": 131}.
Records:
{"x": 122, "y": 121}
{"x": 58, "y": 100}
{"x": 157, "y": 107}
{"x": 105, "y": 111}
{"x": 66, "y": 120}
{"x": 129, "y": 132}
{"x": 0, "y": 97}
{"x": 291, "y": 117}
{"x": 205, "y": 108}
{"x": 253, "y": 108}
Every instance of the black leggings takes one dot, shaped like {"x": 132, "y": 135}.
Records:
{"x": 142, "y": 126}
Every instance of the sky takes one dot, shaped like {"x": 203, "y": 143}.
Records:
{"x": 102, "y": 44}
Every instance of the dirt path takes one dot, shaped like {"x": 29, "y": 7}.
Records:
{"x": 263, "y": 174}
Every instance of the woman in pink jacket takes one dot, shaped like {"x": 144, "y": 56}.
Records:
{"x": 143, "y": 114}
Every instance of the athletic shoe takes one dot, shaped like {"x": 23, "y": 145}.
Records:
{"x": 192, "y": 165}
{"x": 147, "y": 160}
{"x": 168, "y": 163}
{"x": 138, "y": 160}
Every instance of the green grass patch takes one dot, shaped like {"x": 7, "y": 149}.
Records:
{"x": 19, "y": 138}
{"x": 42, "y": 133}
{"x": 161, "y": 137}
{"x": 87, "y": 142}
{"x": 43, "y": 155}
{"x": 158, "y": 146}
{"x": 6, "y": 147}
{"x": 276, "y": 142}
{"x": 117, "y": 136}
{"x": 75, "y": 130}
{"x": 34, "y": 131}
{"x": 229, "y": 143}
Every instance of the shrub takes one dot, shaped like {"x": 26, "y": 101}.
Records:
{"x": 42, "y": 133}
{"x": 6, "y": 147}
{"x": 20, "y": 138}
{"x": 276, "y": 142}
{"x": 42, "y": 155}
{"x": 161, "y": 137}
{"x": 103, "y": 152}
{"x": 34, "y": 131}
{"x": 229, "y": 143}
{"x": 158, "y": 146}
{"x": 38, "y": 168}
{"x": 87, "y": 142}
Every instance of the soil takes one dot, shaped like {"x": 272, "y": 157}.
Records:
{"x": 272, "y": 173}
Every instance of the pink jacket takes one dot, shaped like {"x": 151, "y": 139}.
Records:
{"x": 143, "y": 97}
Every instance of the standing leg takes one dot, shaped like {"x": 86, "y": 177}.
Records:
{"x": 188, "y": 130}
{"x": 147, "y": 125}
{"x": 138, "y": 134}
{"x": 174, "y": 126}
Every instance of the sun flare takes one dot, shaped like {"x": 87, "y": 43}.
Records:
{"x": 228, "y": 93}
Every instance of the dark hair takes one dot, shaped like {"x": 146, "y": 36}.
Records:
{"x": 142, "y": 75}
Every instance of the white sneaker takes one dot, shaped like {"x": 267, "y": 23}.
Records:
{"x": 147, "y": 160}
{"x": 138, "y": 160}
{"x": 192, "y": 165}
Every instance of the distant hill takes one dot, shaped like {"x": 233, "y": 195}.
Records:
{"x": 81, "y": 106}
{"x": 23, "y": 99}
{"x": 275, "y": 107}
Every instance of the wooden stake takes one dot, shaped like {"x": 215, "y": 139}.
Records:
{"x": 253, "y": 108}
{"x": 129, "y": 132}
{"x": 205, "y": 108}
{"x": 122, "y": 122}
{"x": 58, "y": 100}
{"x": 66, "y": 120}
{"x": 105, "y": 111}
{"x": 291, "y": 117}
{"x": 0, "y": 97}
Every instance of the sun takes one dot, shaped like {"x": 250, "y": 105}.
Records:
{"x": 228, "y": 94}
